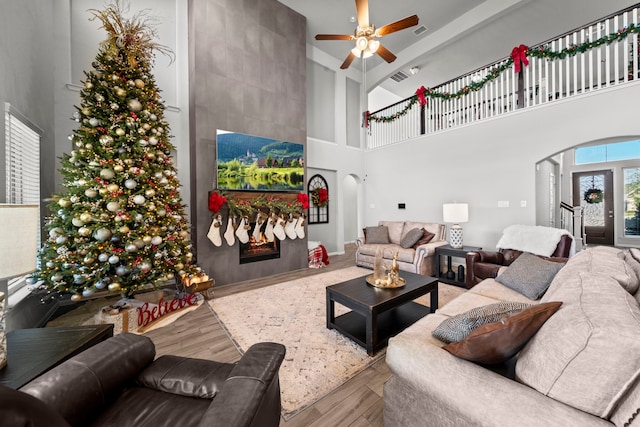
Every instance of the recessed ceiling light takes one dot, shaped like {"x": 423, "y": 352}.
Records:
{"x": 352, "y": 19}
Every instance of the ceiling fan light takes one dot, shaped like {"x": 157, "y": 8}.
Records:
{"x": 373, "y": 46}
{"x": 362, "y": 43}
{"x": 357, "y": 52}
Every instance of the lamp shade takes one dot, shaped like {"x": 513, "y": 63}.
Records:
{"x": 455, "y": 212}
{"x": 18, "y": 239}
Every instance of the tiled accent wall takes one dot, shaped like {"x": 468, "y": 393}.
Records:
{"x": 247, "y": 74}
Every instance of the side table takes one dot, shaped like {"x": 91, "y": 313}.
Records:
{"x": 32, "y": 352}
{"x": 450, "y": 276}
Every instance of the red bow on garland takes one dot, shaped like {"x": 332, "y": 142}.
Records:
{"x": 366, "y": 118}
{"x": 519, "y": 54}
{"x": 421, "y": 98}
{"x": 216, "y": 201}
{"x": 303, "y": 199}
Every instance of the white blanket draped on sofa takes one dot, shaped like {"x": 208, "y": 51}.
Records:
{"x": 535, "y": 239}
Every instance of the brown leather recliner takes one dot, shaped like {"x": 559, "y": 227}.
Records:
{"x": 486, "y": 264}
{"x": 118, "y": 383}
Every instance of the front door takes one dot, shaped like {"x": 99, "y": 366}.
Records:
{"x": 593, "y": 191}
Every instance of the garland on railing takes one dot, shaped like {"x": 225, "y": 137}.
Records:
{"x": 518, "y": 56}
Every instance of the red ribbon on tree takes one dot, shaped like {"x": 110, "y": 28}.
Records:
{"x": 519, "y": 55}
{"x": 216, "y": 201}
{"x": 421, "y": 98}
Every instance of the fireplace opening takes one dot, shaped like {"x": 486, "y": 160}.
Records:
{"x": 258, "y": 248}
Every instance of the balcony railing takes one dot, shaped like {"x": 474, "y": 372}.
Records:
{"x": 599, "y": 55}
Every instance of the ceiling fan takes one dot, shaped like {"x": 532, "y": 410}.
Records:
{"x": 366, "y": 35}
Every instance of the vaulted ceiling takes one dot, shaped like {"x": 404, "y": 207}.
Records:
{"x": 460, "y": 36}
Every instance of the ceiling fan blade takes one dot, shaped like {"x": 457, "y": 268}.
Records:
{"x": 397, "y": 26}
{"x": 333, "y": 37}
{"x": 347, "y": 61}
{"x": 385, "y": 54}
{"x": 362, "y": 10}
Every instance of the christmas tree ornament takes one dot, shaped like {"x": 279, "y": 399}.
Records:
{"x": 241, "y": 233}
{"x": 134, "y": 105}
{"x": 214, "y": 231}
{"x": 107, "y": 174}
{"x": 289, "y": 228}
{"x": 139, "y": 199}
{"x": 229, "y": 235}
{"x": 102, "y": 234}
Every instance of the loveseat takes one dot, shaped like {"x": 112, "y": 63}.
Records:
{"x": 581, "y": 367}
{"x": 118, "y": 383}
{"x": 415, "y": 254}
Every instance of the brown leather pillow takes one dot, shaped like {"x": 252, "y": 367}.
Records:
{"x": 426, "y": 238}
{"x": 498, "y": 342}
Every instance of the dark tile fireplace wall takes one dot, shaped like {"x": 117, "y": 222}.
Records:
{"x": 247, "y": 73}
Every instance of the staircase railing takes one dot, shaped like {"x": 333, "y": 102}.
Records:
{"x": 571, "y": 219}
{"x": 601, "y": 54}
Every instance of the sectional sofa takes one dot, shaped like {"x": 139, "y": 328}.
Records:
{"x": 581, "y": 368}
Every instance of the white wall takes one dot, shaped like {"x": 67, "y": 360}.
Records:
{"x": 336, "y": 155}
{"x": 490, "y": 161}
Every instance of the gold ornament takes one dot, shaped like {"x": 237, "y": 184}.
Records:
{"x": 112, "y": 188}
{"x": 76, "y": 297}
{"x": 114, "y": 287}
{"x": 121, "y": 92}
{"x": 139, "y": 83}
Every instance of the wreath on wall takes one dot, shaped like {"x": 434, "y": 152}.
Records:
{"x": 320, "y": 197}
{"x": 593, "y": 195}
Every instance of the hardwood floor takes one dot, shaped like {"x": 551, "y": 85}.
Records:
{"x": 357, "y": 403}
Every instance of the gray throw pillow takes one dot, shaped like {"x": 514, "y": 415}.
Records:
{"x": 530, "y": 275}
{"x": 411, "y": 238}
{"x": 458, "y": 327}
{"x": 377, "y": 235}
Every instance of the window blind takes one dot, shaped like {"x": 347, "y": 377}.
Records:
{"x": 22, "y": 165}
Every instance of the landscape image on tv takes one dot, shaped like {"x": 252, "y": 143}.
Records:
{"x": 254, "y": 163}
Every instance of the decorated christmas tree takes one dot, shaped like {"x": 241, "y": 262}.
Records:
{"x": 120, "y": 223}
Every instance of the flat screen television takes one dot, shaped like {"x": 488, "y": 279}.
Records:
{"x": 255, "y": 163}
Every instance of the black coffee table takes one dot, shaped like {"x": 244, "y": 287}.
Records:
{"x": 379, "y": 313}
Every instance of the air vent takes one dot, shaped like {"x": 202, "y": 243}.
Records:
{"x": 399, "y": 76}
{"x": 420, "y": 30}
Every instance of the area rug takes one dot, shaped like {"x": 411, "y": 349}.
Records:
{"x": 294, "y": 313}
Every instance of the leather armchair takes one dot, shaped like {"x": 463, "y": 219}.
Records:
{"x": 118, "y": 383}
{"x": 486, "y": 264}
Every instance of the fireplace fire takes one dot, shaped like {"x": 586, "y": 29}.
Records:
{"x": 258, "y": 248}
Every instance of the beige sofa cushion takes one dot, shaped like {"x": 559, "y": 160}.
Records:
{"x": 582, "y": 355}
{"x": 601, "y": 260}
{"x": 396, "y": 229}
{"x": 493, "y": 289}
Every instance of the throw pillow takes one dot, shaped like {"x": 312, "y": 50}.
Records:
{"x": 427, "y": 236}
{"x": 458, "y": 327}
{"x": 499, "y": 341}
{"x": 411, "y": 238}
{"x": 377, "y": 235}
{"x": 530, "y": 275}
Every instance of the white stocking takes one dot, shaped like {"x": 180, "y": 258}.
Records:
{"x": 256, "y": 229}
{"x": 300, "y": 227}
{"x": 268, "y": 231}
{"x": 241, "y": 233}
{"x": 289, "y": 229}
{"x": 278, "y": 229}
{"x": 214, "y": 231}
{"x": 228, "y": 234}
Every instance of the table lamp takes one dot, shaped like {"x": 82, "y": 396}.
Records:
{"x": 455, "y": 213}
{"x": 18, "y": 252}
